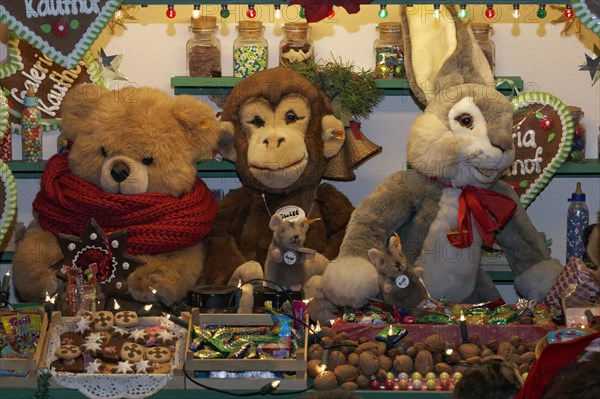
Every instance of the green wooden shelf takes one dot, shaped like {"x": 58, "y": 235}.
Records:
{"x": 589, "y": 168}
{"x": 223, "y": 85}
{"x": 6, "y": 257}
{"x": 208, "y": 168}
{"x": 284, "y": 2}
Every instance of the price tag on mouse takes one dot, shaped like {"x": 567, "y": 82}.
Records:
{"x": 290, "y": 258}
{"x": 402, "y": 281}
{"x": 291, "y": 212}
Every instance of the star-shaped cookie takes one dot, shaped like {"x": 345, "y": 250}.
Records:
{"x": 142, "y": 367}
{"x": 93, "y": 367}
{"x": 123, "y": 368}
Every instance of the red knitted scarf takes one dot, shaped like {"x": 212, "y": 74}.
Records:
{"x": 157, "y": 223}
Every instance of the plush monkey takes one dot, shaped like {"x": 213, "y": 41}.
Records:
{"x": 284, "y": 135}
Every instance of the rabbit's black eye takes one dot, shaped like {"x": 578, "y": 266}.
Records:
{"x": 257, "y": 121}
{"x": 147, "y": 160}
{"x": 465, "y": 120}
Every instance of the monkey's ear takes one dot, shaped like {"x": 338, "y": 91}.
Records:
{"x": 303, "y": 224}
{"x": 226, "y": 142}
{"x": 333, "y": 135}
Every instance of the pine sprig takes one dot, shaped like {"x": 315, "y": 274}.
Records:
{"x": 352, "y": 92}
{"x": 43, "y": 382}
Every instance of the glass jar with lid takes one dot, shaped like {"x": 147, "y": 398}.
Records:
{"x": 203, "y": 48}
{"x": 482, "y": 36}
{"x": 295, "y": 46}
{"x": 250, "y": 49}
{"x": 389, "y": 51}
{"x": 577, "y": 153}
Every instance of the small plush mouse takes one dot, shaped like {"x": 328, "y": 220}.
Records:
{"x": 400, "y": 282}
{"x": 286, "y": 256}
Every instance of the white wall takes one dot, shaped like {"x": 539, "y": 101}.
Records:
{"x": 154, "y": 51}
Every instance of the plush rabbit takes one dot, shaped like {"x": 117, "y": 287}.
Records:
{"x": 451, "y": 201}
{"x": 399, "y": 282}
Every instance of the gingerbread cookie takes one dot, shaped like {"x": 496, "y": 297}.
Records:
{"x": 132, "y": 352}
{"x": 165, "y": 338}
{"x": 103, "y": 321}
{"x": 123, "y": 368}
{"x": 93, "y": 347}
{"x": 138, "y": 336}
{"x": 126, "y": 319}
{"x": 71, "y": 338}
{"x": 158, "y": 354}
{"x": 94, "y": 367}
{"x": 120, "y": 332}
{"x": 143, "y": 367}
{"x": 68, "y": 352}
{"x": 69, "y": 365}
{"x": 160, "y": 368}
{"x": 112, "y": 349}
{"x": 84, "y": 325}
{"x": 95, "y": 337}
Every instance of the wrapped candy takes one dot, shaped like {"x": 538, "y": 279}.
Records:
{"x": 503, "y": 315}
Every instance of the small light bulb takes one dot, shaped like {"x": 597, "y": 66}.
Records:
{"x": 490, "y": 12}
{"x": 277, "y": 11}
{"x": 516, "y": 13}
{"x": 331, "y": 13}
{"x": 196, "y": 11}
{"x": 383, "y": 12}
{"x": 251, "y": 13}
{"x": 302, "y": 13}
{"x": 171, "y": 11}
{"x": 462, "y": 12}
{"x": 541, "y": 13}
{"x": 224, "y": 11}
{"x": 119, "y": 14}
{"x": 569, "y": 12}
{"x": 436, "y": 12}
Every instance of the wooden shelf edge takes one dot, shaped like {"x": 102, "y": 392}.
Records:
{"x": 373, "y": 2}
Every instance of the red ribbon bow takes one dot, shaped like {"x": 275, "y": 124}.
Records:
{"x": 490, "y": 210}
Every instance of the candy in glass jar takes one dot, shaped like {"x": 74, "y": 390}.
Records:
{"x": 250, "y": 49}
{"x": 31, "y": 128}
{"x": 577, "y": 153}
{"x": 295, "y": 46}
{"x": 204, "y": 49}
{"x": 389, "y": 51}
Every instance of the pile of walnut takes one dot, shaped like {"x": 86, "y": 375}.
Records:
{"x": 352, "y": 364}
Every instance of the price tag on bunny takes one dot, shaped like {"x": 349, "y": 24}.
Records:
{"x": 542, "y": 135}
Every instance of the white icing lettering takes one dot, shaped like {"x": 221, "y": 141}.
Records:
{"x": 528, "y": 139}
{"x": 528, "y": 166}
{"x": 45, "y": 8}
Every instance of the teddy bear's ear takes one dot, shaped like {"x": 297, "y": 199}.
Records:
{"x": 226, "y": 142}
{"x": 77, "y": 106}
{"x": 198, "y": 119}
{"x": 275, "y": 221}
{"x": 303, "y": 222}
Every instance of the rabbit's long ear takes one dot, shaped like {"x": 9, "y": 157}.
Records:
{"x": 441, "y": 53}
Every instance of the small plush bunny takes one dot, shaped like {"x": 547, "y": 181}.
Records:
{"x": 287, "y": 256}
{"x": 399, "y": 281}
{"x": 451, "y": 200}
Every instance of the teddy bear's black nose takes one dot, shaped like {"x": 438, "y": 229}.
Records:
{"x": 119, "y": 172}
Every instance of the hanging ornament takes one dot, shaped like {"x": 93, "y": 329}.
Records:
{"x": 251, "y": 13}
{"x": 383, "y": 12}
{"x": 571, "y": 25}
{"x": 224, "y": 11}
{"x": 541, "y": 13}
{"x": 462, "y": 12}
{"x": 196, "y": 11}
{"x": 277, "y": 11}
{"x": 490, "y": 12}
{"x": 516, "y": 12}
{"x": 569, "y": 13}
{"x": 592, "y": 65}
{"x": 302, "y": 13}
{"x": 170, "y": 11}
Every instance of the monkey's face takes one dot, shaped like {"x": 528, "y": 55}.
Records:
{"x": 277, "y": 153}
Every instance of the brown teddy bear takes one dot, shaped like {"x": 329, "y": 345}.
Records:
{"x": 131, "y": 166}
{"x": 285, "y": 140}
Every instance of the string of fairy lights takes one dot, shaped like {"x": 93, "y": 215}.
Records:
{"x": 490, "y": 11}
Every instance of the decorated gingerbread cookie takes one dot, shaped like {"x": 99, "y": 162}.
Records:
{"x": 68, "y": 352}
{"x": 103, "y": 321}
{"x": 123, "y": 367}
{"x": 93, "y": 348}
{"x": 126, "y": 319}
{"x": 74, "y": 365}
{"x": 138, "y": 336}
{"x": 158, "y": 354}
{"x": 112, "y": 349}
{"x": 165, "y": 338}
{"x": 71, "y": 338}
{"x": 132, "y": 352}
